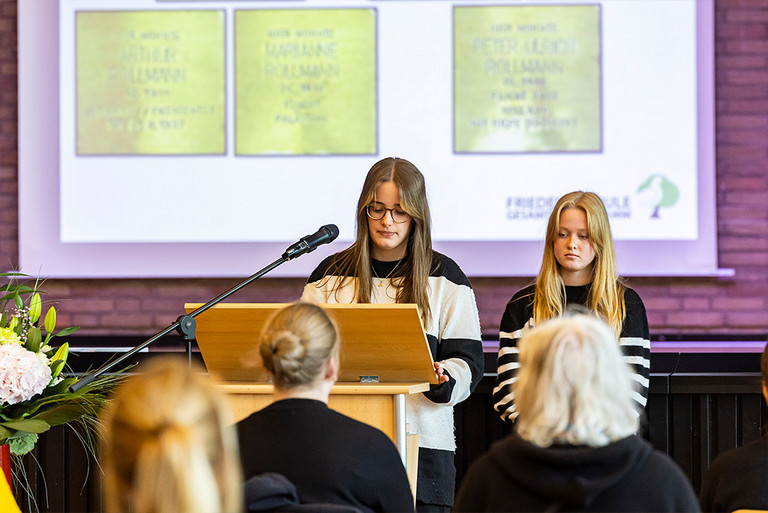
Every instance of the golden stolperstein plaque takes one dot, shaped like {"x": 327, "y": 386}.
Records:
{"x": 305, "y": 82}
{"x": 150, "y": 82}
{"x": 527, "y": 79}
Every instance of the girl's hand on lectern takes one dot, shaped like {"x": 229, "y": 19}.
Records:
{"x": 441, "y": 378}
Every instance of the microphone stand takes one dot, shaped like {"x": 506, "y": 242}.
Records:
{"x": 184, "y": 325}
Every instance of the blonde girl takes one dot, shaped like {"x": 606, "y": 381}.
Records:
{"x": 578, "y": 267}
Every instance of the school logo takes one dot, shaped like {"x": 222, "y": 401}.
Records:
{"x": 655, "y": 193}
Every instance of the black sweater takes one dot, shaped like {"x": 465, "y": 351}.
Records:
{"x": 330, "y": 457}
{"x": 737, "y": 479}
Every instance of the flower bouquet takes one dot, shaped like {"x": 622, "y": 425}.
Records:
{"x": 34, "y": 395}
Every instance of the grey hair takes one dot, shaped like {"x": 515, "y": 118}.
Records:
{"x": 574, "y": 386}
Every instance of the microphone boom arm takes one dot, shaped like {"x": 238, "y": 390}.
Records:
{"x": 185, "y": 324}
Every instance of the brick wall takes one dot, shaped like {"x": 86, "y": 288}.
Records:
{"x": 675, "y": 306}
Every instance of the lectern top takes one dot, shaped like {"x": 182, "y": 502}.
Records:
{"x": 382, "y": 340}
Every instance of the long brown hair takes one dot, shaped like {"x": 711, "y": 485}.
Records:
{"x": 413, "y": 273}
{"x": 606, "y": 295}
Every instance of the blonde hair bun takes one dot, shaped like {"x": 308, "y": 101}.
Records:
{"x": 297, "y": 342}
{"x": 287, "y": 353}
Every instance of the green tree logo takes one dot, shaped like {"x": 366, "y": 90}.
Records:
{"x": 657, "y": 192}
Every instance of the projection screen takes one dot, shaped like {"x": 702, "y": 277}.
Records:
{"x": 201, "y": 138}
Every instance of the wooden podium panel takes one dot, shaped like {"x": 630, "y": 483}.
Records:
{"x": 386, "y": 341}
{"x": 373, "y": 404}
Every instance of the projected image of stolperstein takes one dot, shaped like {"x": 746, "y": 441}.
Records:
{"x": 657, "y": 192}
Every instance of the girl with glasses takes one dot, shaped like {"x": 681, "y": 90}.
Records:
{"x": 392, "y": 261}
{"x": 578, "y": 267}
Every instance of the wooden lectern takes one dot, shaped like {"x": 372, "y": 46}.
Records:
{"x": 384, "y": 357}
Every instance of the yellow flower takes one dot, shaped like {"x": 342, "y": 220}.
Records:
{"x": 8, "y": 336}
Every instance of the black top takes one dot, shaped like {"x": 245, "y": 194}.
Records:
{"x": 737, "y": 479}
{"x": 330, "y": 457}
{"x": 627, "y": 475}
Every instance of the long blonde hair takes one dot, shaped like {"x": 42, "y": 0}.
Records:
{"x": 297, "y": 342}
{"x": 168, "y": 444}
{"x": 606, "y": 294}
{"x": 413, "y": 275}
{"x": 574, "y": 386}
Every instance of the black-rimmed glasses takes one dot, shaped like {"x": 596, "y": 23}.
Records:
{"x": 377, "y": 211}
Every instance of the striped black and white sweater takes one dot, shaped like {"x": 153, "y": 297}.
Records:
{"x": 518, "y": 318}
{"x": 453, "y": 333}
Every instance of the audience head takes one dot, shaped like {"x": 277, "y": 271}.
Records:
{"x": 573, "y": 387}
{"x": 297, "y": 344}
{"x": 168, "y": 443}
{"x": 412, "y": 198}
{"x": 599, "y": 231}
{"x": 764, "y": 369}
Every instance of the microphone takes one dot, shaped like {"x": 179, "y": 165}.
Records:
{"x": 309, "y": 243}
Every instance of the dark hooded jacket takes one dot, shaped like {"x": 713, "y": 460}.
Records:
{"x": 628, "y": 475}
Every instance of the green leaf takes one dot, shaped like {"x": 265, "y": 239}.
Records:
{"x": 14, "y": 324}
{"x": 13, "y": 290}
{"x": 59, "y": 359}
{"x": 17, "y": 300}
{"x": 34, "y": 339}
{"x": 56, "y": 367}
{"x": 22, "y": 443}
{"x": 50, "y": 320}
{"x": 62, "y": 352}
{"x": 28, "y": 425}
{"x": 4, "y": 433}
{"x": 4, "y": 320}
{"x": 63, "y": 413}
{"x": 67, "y": 331}
{"x": 35, "y": 307}
{"x": 10, "y": 287}
{"x": 60, "y": 387}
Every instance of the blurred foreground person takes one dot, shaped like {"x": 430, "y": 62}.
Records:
{"x": 168, "y": 444}
{"x": 574, "y": 448}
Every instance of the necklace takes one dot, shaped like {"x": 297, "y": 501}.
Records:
{"x": 381, "y": 280}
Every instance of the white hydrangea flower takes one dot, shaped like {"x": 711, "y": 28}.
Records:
{"x": 22, "y": 374}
